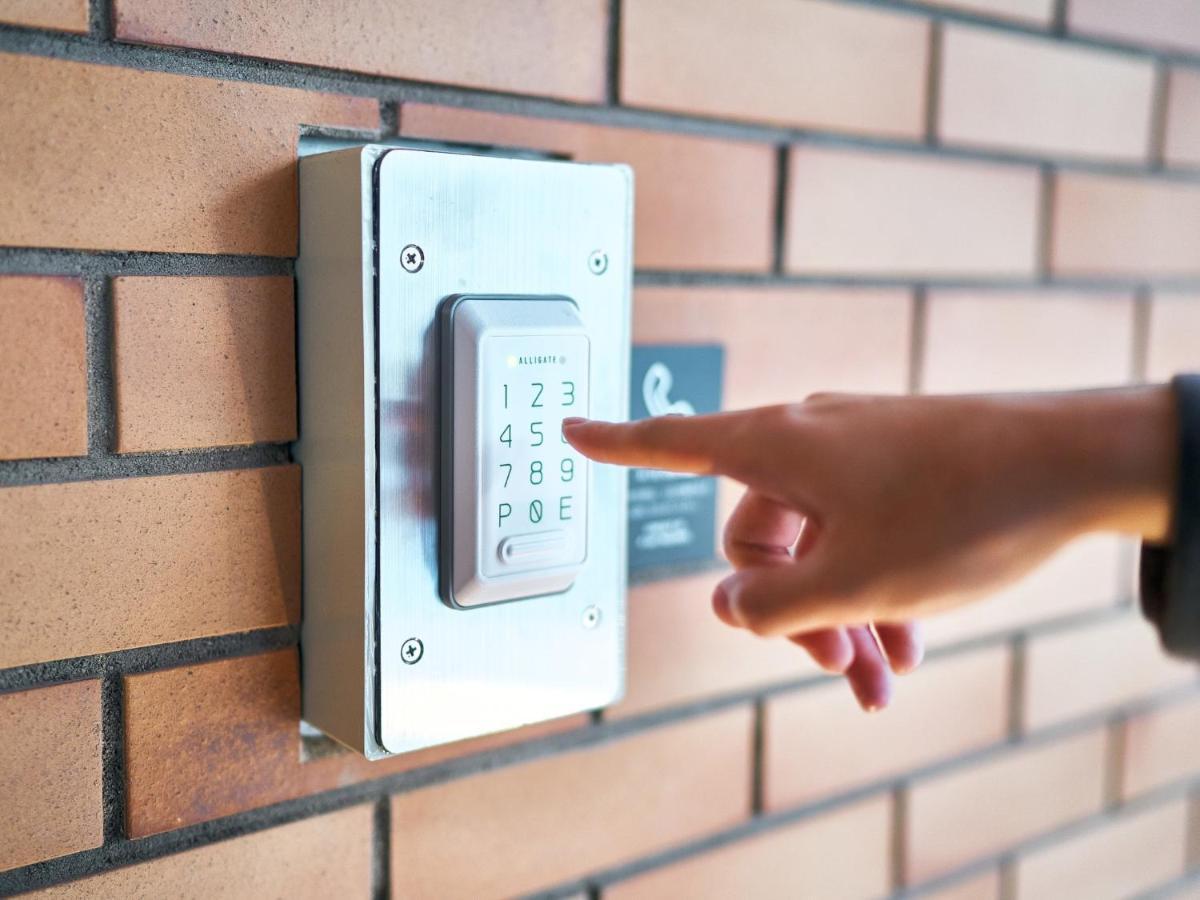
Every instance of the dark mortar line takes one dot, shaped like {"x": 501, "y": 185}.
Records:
{"x": 612, "y": 56}
{"x": 766, "y": 280}
{"x": 1007, "y": 874}
{"x": 99, "y": 364}
{"x": 1142, "y": 314}
{"x": 1043, "y": 249}
{"x": 779, "y": 215}
{"x": 51, "y": 261}
{"x": 381, "y": 849}
{"x": 933, "y": 84}
{"x": 758, "y": 749}
{"x": 105, "y": 263}
{"x": 25, "y": 472}
{"x": 209, "y": 64}
{"x": 917, "y": 333}
{"x": 1017, "y": 682}
{"x": 389, "y": 118}
{"x": 1191, "y": 844}
{"x": 1058, "y": 19}
{"x": 101, "y": 394}
{"x": 205, "y": 649}
{"x": 364, "y": 135}
{"x": 1157, "y": 139}
{"x": 195, "y": 651}
{"x": 101, "y": 23}
{"x": 898, "y": 844}
{"x": 112, "y": 755}
{"x": 1114, "y": 761}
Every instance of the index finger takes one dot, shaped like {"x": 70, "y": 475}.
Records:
{"x": 699, "y": 445}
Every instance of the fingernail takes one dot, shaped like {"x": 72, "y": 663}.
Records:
{"x": 572, "y": 420}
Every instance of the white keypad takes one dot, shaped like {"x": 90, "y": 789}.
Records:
{"x": 516, "y": 491}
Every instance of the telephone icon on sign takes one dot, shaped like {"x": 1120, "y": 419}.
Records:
{"x": 656, "y": 392}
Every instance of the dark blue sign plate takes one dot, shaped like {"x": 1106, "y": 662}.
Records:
{"x": 672, "y": 518}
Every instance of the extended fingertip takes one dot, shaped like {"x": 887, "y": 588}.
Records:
{"x": 572, "y": 421}
{"x": 873, "y": 699}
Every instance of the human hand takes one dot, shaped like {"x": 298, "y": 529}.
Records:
{"x": 863, "y": 514}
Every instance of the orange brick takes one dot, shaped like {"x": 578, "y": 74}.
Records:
{"x": 850, "y": 211}
{"x": 812, "y": 64}
{"x": 1121, "y": 858}
{"x": 943, "y": 709}
{"x": 997, "y": 341}
{"x": 1114, "y": 225}
{"x": 203, "y": 361}
{"x": 1080, "y": 671}
{"x": 1170, "y": 23}
{"x": 1039, "y": 12}
{"x": 1088, "y": 573}
{"x": 50, "y": 773}
{"x": 91, "y": 567}
{"x": 985, "y": 808}
{"x": 701, "y": 203}
{"x": 1160, "y": 747}
{"x": 211, "y": 740}
{"x": 526, "y": 46}
{"x": 1024, "y": 93}
{"x": 325, "y": 856}
{"x": 116, "y": 159}
{"x": 846, "y": 340}
{"x": 843, "y": 853}
{"x": 1182, "y": 141}
{"x": 574, "y": 813}
{"x": 679, "y": 651}
{"x": 43, "y": 377}
{"x": 1174, "y": 339}
{"x": 981, "y": 887}
{"x": 63, "y": 15}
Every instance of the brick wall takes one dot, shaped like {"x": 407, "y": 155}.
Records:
{"x": 866, "y": 195}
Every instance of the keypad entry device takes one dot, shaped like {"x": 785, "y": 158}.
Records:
{"x": 514, "y": 492}
{"x": 464, "y": 568}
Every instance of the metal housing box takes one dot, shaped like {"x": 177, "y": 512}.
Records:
{"x": 388, "y": 665}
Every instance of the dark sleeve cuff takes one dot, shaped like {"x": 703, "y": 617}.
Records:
{"x": 1170, "y": 574}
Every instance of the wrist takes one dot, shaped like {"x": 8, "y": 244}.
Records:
{"x": 1115, "y": 454}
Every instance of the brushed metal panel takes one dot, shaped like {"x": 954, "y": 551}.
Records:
{"x": 491, "y": 226}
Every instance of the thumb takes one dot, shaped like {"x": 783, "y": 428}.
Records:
{"x": 780, "y": 600}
